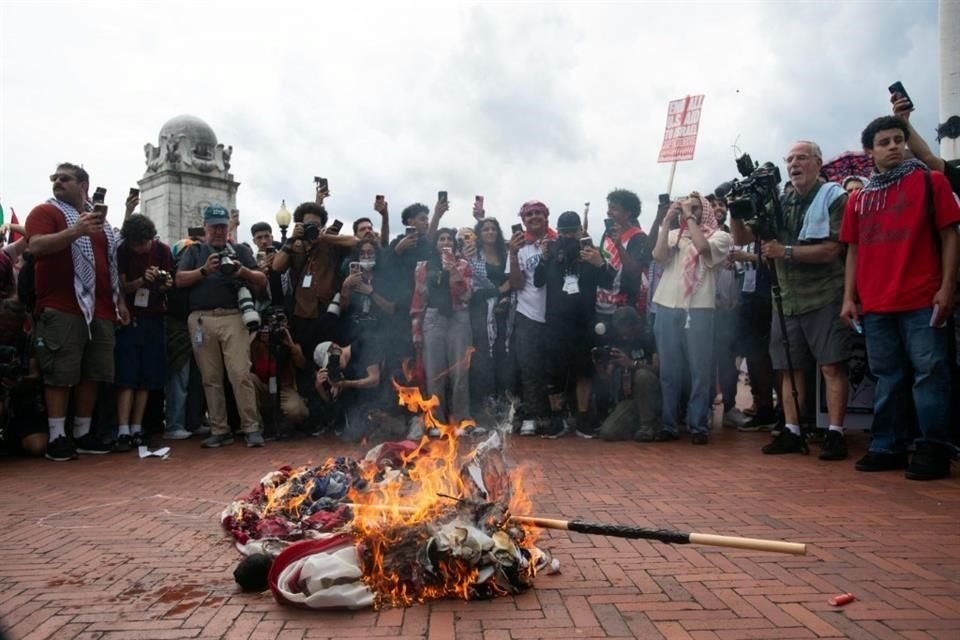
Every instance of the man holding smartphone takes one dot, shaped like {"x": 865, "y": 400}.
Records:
{"x": 901, "y": 265}
{"x": 77, "y": 302}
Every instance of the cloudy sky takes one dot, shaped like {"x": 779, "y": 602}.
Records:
{"x": 558, "y": 102}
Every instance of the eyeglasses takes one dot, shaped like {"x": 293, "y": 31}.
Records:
{"x": 61, "y": 177}
{"x": 801, "y": 157}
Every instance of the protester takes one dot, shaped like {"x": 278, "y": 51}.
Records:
{"x": 685, "y": 299}
{"x": 629, "y": 365}
{"x": 145, "y": 265}
{"x": 216, "y": 326}
{"x": 625, "y": 247}
{"x": 441, "y": 327}
{"x": 77, "y": 303}
{"x": 491, "y": 314}
{"x": 571, "y": 273}
{"x": 267, "y": 249}
{"x": 529, "y": 335}
{"x": 852, "y": 184}
{"x": 901, "y": 265}
{"x": 365, "y": 300}
{"x": 806, "y": 253}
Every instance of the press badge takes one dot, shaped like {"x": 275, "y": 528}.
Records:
{"x": 570, "y": 285}
{"x": 198, "y": 336}
{"x": 272, "y": 385}
{"x": 141, "y": 298}
{"x": 749, "y": 281}
{"x": 307, "y": 280}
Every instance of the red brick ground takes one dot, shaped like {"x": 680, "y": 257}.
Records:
{"x": 117, "y": 547}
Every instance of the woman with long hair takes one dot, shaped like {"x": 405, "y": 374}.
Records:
{"x": 443, "y": 285}
{"x": 490, "y": 314}
{"x": 364, "y": 298}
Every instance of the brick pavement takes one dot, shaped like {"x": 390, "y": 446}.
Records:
{"x": 116, "y": 547}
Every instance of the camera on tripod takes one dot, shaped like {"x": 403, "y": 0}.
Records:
{"x": 752, "y": 198}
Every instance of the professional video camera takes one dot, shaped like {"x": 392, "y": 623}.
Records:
{"x": 753, "y": 199}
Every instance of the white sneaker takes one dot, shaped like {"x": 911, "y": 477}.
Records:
{"x": 528, "y": 428}
{"x": 176, "y": 434}
{"x": 735, "y": 418}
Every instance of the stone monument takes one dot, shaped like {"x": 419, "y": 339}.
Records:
{"x": 186, "y": 171}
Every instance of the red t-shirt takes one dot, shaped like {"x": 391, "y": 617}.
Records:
{"x": 898, "y": 260}
{"x": 133, "y": 265}
{"x": 53, "y": 273}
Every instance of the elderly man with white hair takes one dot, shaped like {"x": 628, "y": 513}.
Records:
{"x": 807, "y": 256}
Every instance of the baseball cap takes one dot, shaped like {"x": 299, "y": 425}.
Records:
{"x": 216, "y": 214}
{"x": 568, "y": 221}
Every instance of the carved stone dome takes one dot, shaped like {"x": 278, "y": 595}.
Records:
{"x": 199, "y": 132}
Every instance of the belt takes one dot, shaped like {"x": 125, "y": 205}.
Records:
{"x": 219, "y": 311}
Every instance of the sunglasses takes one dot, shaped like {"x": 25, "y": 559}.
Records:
{"x": 62, "y": 177}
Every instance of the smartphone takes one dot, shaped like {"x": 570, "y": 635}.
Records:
{"x": 442, "y": 196}
{"x": 354, "y": 268}
{"x": 100, "y": 209}
{"x": 411, "y": 231}
{"x": 447, "y": 252}
{"x": 609, "y": 224}
{"x": 663, "y": 199}
{"x": 479, "y": 201}
{"x": 260, "y": 256}
{"x": 322, "y": 184}
{"x": 134, "y": 192}
{"x": 334, "y": 228}
{"x": 380, "y": 198}
{"x": 99, "y": 195}
{"x": 897, "y": 89}
{"x": 586, "y": 242}
{"x": 517, "y": 228}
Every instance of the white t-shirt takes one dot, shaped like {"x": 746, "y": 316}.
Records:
{"x": 670, "y": 290}
{"x": 531, "y": 300}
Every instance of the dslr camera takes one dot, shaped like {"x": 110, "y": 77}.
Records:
{"x": 164, "y": 278}
{"x": 754, "y": 197}
{"x": 311, "y": 231}
{"x": 228, "y": 261}
{"x": 248, "y": 310}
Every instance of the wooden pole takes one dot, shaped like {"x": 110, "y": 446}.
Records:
{"x": 673, "y": 172}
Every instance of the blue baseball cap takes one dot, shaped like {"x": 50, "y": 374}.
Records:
{"x": 216, "y": 214}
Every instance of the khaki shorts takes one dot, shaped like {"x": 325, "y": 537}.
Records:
{"x": 817, "y": 337}
{"x": 67, "y": 353}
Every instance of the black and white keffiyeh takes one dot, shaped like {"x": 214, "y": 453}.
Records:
{"x": 873, "y": 196}
{"x": 84, "y": 262}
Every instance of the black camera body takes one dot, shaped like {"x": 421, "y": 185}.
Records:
{"x": 753, "y": 198}
{"x": 311, "y": 231}
{"x": 228, "y": 261}
{"x": 164, "y": 278}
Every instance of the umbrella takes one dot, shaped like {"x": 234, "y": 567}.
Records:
{"x": 848, "y": 163}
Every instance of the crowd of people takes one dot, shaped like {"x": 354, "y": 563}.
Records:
{"x": 636, "y": 335}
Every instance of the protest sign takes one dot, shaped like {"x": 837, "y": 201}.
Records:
{"x": 680, "y": 135}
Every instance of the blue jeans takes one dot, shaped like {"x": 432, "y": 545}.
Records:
{"x": 176, "y": 398}
{"x": 684, "y": 350}
{"x": 898, "y": 343}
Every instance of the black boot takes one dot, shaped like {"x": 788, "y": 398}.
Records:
{"x": 931, "y": 461}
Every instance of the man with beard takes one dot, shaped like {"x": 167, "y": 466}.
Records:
{"x": 901, "y": 266}
{"x": 806, "y": 253}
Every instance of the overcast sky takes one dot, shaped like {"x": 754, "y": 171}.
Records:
{"x": 558, "y": 102}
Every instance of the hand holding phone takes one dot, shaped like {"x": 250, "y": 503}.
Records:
{"x": 897, "y": 92}
{"x": 334, "y": 229}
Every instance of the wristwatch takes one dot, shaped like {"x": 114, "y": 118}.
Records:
{"x": 203, "y": 271}
{"x": 788, "y": 253}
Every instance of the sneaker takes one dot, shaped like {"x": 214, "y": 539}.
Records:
{"x": 555, "y": 430}
{"x": 585, "y": 427}
{"x": 762, "y": 421}
{"x": 834, "y": 446}
{"x": 666, "y": 436}
{"x": 786, "y": 442}
{"x": 137, "y": 439}
{"x": 254, "y": 439}
{"x": 882, "y": 462}
{"x": 176, "y": 434}
{"x": 735, "y": 418}
{"x": 91, "y": 445}
{"x": 528, "y": 428}
{"x": 215, "y": 441}
{"x": 123, "y": 444}
{"x": 930, "y": 461}
{"x": 699, "y": 438}
{"x": 60, "y": 450}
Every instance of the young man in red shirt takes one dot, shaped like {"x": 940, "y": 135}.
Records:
{"x": 77, "y": 304}
{"x": 901, "y": 232}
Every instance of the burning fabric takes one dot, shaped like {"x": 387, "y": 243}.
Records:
{"x": 408, "y": 523}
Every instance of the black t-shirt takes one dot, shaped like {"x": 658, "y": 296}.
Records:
{"x": 952, "y": 172}
{"x": 564, "y": 308}
{"x": 216, "y": 291}
{"x": 401, "y": 267}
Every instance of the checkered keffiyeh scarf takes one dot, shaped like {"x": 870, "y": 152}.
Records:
{"x": 84, "y": 262}
{"x": 873, "y": 196}
{"x": 693, "y": 268}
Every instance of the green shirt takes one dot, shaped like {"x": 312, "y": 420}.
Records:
{"x": 806, "y": 287}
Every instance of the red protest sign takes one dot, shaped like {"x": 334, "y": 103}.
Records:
{"x": 680, "y": 135}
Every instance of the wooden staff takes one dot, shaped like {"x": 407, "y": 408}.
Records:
{"x": 623, "y": 531}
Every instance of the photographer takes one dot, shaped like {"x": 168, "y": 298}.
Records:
{"x": 348, "y": 381}
{"x": 215, "y": 272}
{"x": 267, "y": 249}
{"x": 23, "y": 420}
{"x": 276, "y": 358}
{"x": 145, "y": 265}
{"x": 629, "y": 367}
{"x": 686, "y": 297}
{"x": 311, "y": 257}
{"x": 806, "y": 252}
{"x": 571, "y": 271}
{"x": 365, "y": 304}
